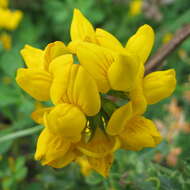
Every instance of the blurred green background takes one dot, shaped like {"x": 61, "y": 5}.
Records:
{"x": 166, "y": 167}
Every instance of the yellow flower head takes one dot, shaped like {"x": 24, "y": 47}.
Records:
{"x": 80, "y": 126}
{"x": 14, "y": 18}
{"x": 135, "y": 7}
{"x": 4, "y": 3}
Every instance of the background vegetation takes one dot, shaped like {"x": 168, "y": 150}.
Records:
{"x": 44, "y": 21}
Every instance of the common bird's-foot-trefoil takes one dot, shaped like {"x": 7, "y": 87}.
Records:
{"x": 4, "y": 3}
{"x": 84, "y": 81}
{"x": 9, "y": 20}
{"x": 135, "y": 7}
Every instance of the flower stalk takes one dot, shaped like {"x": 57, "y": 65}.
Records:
{"x": 21, "y": 133}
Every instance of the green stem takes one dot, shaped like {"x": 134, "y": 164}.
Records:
{"x": 22, "y": 133}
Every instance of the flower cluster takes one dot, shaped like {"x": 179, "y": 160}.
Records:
{"x": 135, "y": 7}
{"x": 9, "y": 20}
{"x": 83, "y": 80}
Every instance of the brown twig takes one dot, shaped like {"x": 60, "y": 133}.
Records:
{"x": 157, "y": 60}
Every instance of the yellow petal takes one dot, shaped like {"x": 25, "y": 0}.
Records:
{"x": 71, "y": 85}
{"x": 53, "y": 150}
{"x": 101, "y": 165}
{"x": 141, "y": 42}
{"x": 96, "y": 60}
{"x": 54, "y": 50}
{"x": 159, "y": 85}
{"x": 35, "y": 82}
{"x": 119, "y": 119}
{"x": 136, "y": 95}
{"x": 140, "y": 133}
{"x": 48, "y": 144}
{"x": 72, "y": 46}
{"x": 66, "y": 120}
{"x": 33, "y": 57}
{"x": 138, "y": 99}
{"x": 87, "y": 98}
{"x": 61, "y": 68}
{"x": 38, "y": 114}
{"x": 57, "y": 65}
{"x": 123, "y": 72}
{"x": 100, "y": 145}
{"x": 63, "y": 161}
{"x": 107, "y": 40}
{"x": 81, "y": 28}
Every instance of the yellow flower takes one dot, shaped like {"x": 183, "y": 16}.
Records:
{"x": 51, "y": 75}
{"x": 54, "y": 150}
{"x": 117, "y": 71}
{"x": 135, "y": 44}
{"x": 4, "y": 3}
{"x": 65, "y": 120}
{"x": 73, "y": 98}
{"x": 103, "y": 56}
{"x": 135, "y": 132}
{"x": 36, "y": 78}
{"x": 6, "y": 41}
{"x": 57, "y": 150}
{"x": 81, "y": 30}
{"x": 136, "y": 95}
{"x": 143, "y": 92}
{"x": 13, "y": 18}
{"x": 135, "y": 7}
{"x": 106, "y": 59}
{"x": 104, "y": 64}
{"x": 159, "y": 85}
{"x": 99, "y": 151}
{"x": 107, "y": 68}
{"x": 164, "y": 81}
{"x": 71, "y": 84}
{"x": 152, "y": 88}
